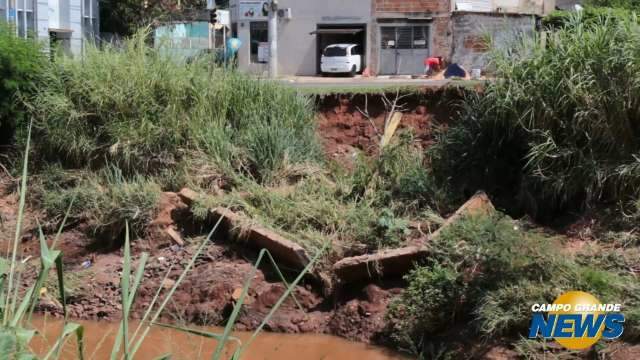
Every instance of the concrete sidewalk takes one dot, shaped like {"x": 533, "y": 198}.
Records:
{"x": 362, "y": 82}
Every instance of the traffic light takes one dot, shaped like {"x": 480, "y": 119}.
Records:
{"x": 213, "y": 16}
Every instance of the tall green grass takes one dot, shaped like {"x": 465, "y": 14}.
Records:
{"x": 558, "y": 129}
{"x": 104, "y": 199}
{"x": 144, "y": 112}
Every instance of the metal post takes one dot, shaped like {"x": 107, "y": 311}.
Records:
{"x": 224, "y": 39}
{"x": 215, "y": 34}
{"x": 273, "y": 40}
{"x": 211, "y": 43}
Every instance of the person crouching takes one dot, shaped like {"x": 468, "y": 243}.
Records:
{"x": 433, "y": 65}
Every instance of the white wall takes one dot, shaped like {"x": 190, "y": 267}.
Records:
{"x": 75, "y": 24}
{"x": 69, "y": 13}
{"x": 537, "y": 7}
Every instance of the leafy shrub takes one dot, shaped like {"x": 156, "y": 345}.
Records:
{"x": 487, "y": 272}
{"x": 21, "y": 61}
{"x": 400, "y": 174}
{"x": 558, "y": 129}
{"x": 615, "y": 4}
{"x": 430, "y": 302}
{"x": 143, "y": 112}
{"x": 390, "y": 228}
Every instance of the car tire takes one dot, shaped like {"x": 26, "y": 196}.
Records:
{"x": 353, "y": 71}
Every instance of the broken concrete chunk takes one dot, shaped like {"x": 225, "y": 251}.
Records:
{"x": 170, "y": 211}
{"x": 280, "y": 248}
{"x": 478, "y": 204}
{"x": 174, "y": 235}
{"x": 188, "y": 196}
{"x": 382, "y": 263}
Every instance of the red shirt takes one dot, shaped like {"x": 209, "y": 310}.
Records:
{"x": 432, "y": 61}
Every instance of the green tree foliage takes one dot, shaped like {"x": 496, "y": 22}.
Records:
{"x": 559, "y": 129}
{"x": 20, "y": 64}
{"x": 125, "y": 17}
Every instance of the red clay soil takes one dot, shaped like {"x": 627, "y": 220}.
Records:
{"x": 209, "y": 290}
{"x": 355, "y": 123}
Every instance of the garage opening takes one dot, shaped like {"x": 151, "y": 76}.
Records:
{"x": 341, "y": 34}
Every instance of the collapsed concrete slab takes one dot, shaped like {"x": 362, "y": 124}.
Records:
{"x": 397, "y": 262}
{"x": 282, "y": 249}
{"x": 478, "y": 204}
{"x": 242, "y": 228}
{"x": 382, "y": 263}
{"x": 188, "y": 196}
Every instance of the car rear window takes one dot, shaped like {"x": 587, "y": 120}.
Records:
{"x": 335, "y": 51}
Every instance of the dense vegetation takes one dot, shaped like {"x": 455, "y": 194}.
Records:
{"x": 559, "y": 130}
{"x": 131, "y": 119}
{"x": 556, "y": 132}
{"x": 615, "y": 4}
{"x": 486, "y": 271}
{"x": 20, "y": 63}
{"x": 125, "y": 17}
{"x": 143, "y": 112}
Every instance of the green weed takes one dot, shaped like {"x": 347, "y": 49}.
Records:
{"x": 105, "y": 200}
{"x": 486, "y": 271}
{"x": 557, "y": 131}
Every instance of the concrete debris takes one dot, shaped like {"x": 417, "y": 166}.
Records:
{"x": 174, "y": 235}
{"x": 280, "y": 248}
{"x": 478, "y": 204}
{"x": 382, "y": 263}
{"x": 188, "y": 196}
{"x": 400, "y": 261}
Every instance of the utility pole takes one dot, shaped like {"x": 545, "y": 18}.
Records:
{"x": 273, "y": 39}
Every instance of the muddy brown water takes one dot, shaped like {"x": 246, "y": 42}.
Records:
{"x": 99, "y": 337}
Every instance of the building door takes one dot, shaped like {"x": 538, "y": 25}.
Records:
{"x": 403, "y": 49}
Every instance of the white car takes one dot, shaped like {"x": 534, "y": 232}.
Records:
{"x": 341, "y": 58}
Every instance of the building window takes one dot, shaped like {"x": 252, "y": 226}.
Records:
{"x": 25, "y": 19}
{"x": 90, "y": 20}
{"x": 404, "y": 37}
{"x": 259, "y": 34}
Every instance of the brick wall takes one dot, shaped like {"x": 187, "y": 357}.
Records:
{"x": 399, "y": 10}
{"x": 433, "y": 6}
